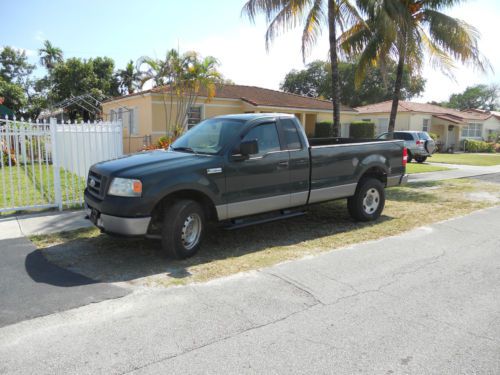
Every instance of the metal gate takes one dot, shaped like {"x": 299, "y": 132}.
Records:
{"x": 44, "y": 165}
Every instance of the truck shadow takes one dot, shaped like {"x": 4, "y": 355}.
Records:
{"x": 109, "y": 259}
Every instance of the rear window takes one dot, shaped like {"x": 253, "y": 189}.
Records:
{"x": 292, "y": 139}
{"x": 424, "y": 136}
{"x": 403, "y": 136}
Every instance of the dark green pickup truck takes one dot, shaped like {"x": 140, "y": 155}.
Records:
{"x": 238, "y": 170}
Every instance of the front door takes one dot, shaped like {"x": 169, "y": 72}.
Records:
{"x": 260, "y": 183}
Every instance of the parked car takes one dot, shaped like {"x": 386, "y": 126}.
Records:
{"x": 420, "y": 145}
{"x": 238, "y": 170}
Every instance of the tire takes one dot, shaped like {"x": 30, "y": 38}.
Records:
{"x": 409, "y": 158}
{"x": 183, "y": 229}
{"x": 368, "y": 202}
{"x": 421, "y": 159}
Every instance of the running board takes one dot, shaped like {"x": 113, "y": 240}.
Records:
{"x": 242, "y": 223}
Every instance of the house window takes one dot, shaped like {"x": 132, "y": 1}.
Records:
{"x": 194, "y": 116}
{"x": 425, "y": 125}
{"x": 382, "y": 126}
{"x": 472, "y": 130}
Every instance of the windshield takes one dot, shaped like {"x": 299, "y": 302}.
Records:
{"x": 209, "y": 136}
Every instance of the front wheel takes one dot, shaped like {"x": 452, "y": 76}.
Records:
{"x": 368, "y": 201}
{"x": 183, "y": 229}
{"x": 420, "y": 159}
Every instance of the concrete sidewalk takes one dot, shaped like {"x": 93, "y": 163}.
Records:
{"x": 456, "y": 171}
{"x": 42, "y": 223}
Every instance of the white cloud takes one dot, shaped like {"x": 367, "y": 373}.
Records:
{"x": 40, "y": 36}
{"x": 244, "y": 58}
{"x": 28, "y": 52}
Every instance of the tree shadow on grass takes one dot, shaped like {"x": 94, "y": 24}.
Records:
{"x": 111, "y": 259}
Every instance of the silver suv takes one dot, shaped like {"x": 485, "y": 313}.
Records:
{"x": 420, "y": 145}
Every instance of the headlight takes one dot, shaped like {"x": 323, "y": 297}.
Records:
{"x": 125, "y": 187}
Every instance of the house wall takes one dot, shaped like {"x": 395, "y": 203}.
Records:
{"x": 492, "y": 124}
{"x": 141, "y": 105}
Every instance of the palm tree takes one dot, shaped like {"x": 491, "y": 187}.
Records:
{"x": 128, "y": 78}
{"x": 180, "y": 79}
{"x": 50, "y": 55}
{"x": 403, "y": 31}
{"x": 283, "y": 15}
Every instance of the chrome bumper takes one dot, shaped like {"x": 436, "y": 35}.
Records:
{"x": 397, "y": 180}
{"x": 125, "y": 226}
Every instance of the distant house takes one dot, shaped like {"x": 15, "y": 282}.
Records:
{"x": 5, "y": 112}
{"x": 449, "y": 124}
{"x": 143, "y": 113}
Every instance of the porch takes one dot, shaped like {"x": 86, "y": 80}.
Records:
{"x": 448, "y": 130}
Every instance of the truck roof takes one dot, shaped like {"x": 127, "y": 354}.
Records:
{"x": 254, "y": 116}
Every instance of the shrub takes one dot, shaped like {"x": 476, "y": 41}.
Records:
{"x": 362, "y": 129}
{"x": 5, "y": 156}
{"x": 434, "y": 136}
{"x": 323, "y": 129}
{"x": 497, "y": 147}
{"x": 472, "y": 145}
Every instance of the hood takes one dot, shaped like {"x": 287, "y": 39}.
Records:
{"x": 139, "y": 164}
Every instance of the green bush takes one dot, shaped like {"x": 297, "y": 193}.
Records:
{"x": 434, "y": 136}
{"x": 323, "y": 129}
{"x": 362, "y": 129}
{"x": 471, "y": 145}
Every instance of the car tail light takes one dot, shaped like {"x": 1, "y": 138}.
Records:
{"x": 405, "y": 156}
{"x": 419, "y": 142}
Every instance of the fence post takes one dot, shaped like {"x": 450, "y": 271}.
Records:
{"x": 55, "y": 163}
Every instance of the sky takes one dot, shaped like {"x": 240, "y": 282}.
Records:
{"x": 126, "y": 30}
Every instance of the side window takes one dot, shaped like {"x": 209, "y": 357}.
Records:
{"x": 292, "y": 139}
{"x": 266, "y": 136}
{"x": 385, "y": 136}
{"x": 400, "y": 136}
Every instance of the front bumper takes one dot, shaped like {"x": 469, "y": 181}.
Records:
{"x": 125, "y": 226}
{"x": 397, "y": 180}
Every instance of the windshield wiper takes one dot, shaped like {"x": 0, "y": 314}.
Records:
{"x": 186, "y": 149}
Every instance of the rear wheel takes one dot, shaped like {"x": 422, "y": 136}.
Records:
{"x": 183, "y": 229}
{"x": 368, "y": 201}
{"x": 421, "y": 159}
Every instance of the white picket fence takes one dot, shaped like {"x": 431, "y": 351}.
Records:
{"x": 45, "y": 165}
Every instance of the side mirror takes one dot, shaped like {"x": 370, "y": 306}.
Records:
{"x": 246, "y": 149}
{"x": 249, "y": 147}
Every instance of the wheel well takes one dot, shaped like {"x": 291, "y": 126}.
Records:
{"x": 375, "y": 172}
{"x": 160, "y": 208}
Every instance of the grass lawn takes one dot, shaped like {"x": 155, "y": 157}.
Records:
{"x": 421, "y": 168}
{"x": 325, "y": 227}
{"x": 32, "y": 185}
{"x": 467, "y": 159}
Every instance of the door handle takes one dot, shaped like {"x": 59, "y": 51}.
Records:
{"x": 283, "y": 164}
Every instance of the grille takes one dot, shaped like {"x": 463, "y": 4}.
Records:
{"x": 96, "y": 184}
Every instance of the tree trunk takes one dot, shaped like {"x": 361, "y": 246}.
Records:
{"x": 334, "y": 63}
{"x": 397, "y": 90}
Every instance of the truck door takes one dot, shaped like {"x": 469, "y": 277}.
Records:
{"x": 299, "y": 162}
{"x": 260, "y": 183}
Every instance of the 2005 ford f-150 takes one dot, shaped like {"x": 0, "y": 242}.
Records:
{"x": 238, "y": 169}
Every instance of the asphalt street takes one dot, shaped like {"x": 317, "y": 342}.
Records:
{"x": 30, "y": 286}
{"x": 425, "y": 302}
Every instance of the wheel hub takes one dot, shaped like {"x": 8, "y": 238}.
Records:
{"x": 371, "y": 201}
{"x": 191, "y": 231}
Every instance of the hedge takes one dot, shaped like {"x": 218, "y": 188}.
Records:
{"x": 362, "y": 129}
{"x": 323, "y": 129}
{"x": 471, "y": 145}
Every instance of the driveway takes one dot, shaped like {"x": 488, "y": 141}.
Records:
{"x": 425, "y": 302}
{"x": 30, "y": 286}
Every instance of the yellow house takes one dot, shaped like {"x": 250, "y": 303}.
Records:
{"x": 449, "y": 124}
{"x": 144, "y": 114}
